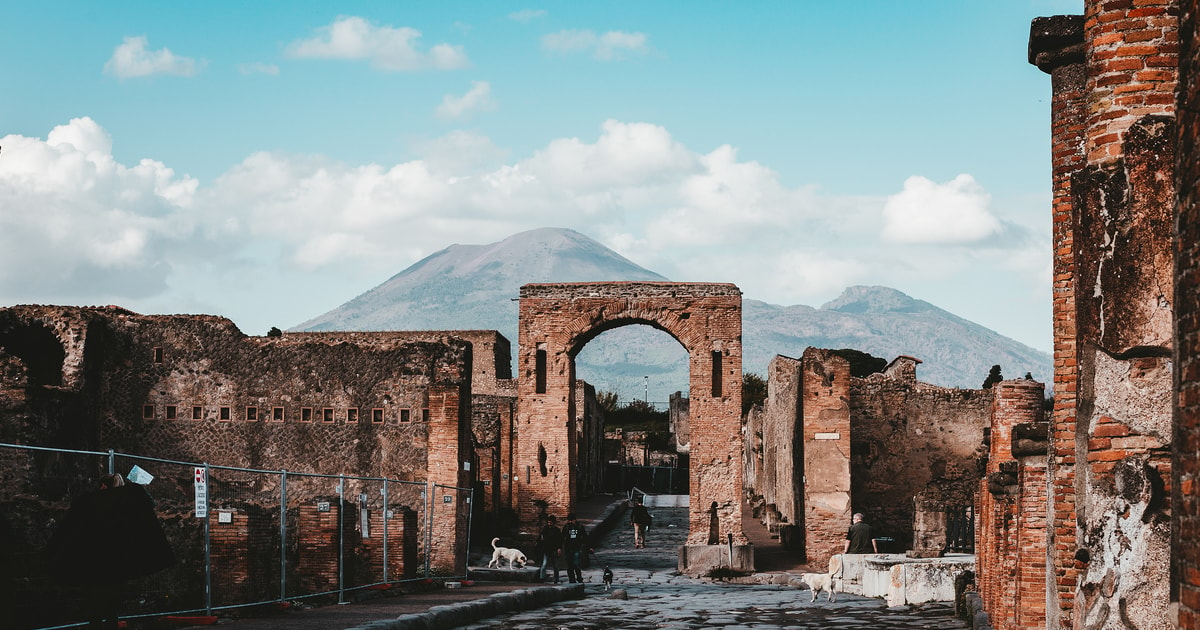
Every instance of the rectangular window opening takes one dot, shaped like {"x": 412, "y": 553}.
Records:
{"x": 251, "y": 414}
{"x": 158, "y": 355}
{"x": 327, "y": 414}
{"x": 306, "y": 414}
{"x": 425, "y": 415}
{"x": 540, "y": 368}
{"x": 352, "y": 414}
{"x": 377, "y": 416}
{"x": 277, "y": 414}
{"x": 147, "y": 412}
{"x": 716, "y": 374}
{"x": 405, "y": 415}
{"x": 172, "y": 412}
{"x": 225, "y": 414}
{"x": 197, "y": 412}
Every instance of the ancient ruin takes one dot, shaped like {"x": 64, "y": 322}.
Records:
{"x": 557, "y": 321}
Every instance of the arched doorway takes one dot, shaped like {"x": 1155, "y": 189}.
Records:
{"x": 557, "y": 320}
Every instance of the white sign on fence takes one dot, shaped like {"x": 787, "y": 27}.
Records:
{"x": 201, "y": 485}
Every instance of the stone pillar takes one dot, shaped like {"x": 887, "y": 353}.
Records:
{"x": 825, "y": 396}
{"x": 1056, "y": 46}
{"x": 1185, "y": 534}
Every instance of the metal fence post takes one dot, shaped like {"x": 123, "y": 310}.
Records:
{"x": 282, "y": 535}
{"x": 384, "y": 516}
{"x": 207, "y": 551}
{"x": 429, "y": 489}
{"x": 470, "y": 520}
{"x": 112, "y": 462}
{"x": 341, "y": 492}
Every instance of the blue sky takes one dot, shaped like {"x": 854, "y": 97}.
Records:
{"x": 268, "y": 161}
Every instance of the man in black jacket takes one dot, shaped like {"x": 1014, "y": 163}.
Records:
{"x": 549, "y": 542}
{"x": 574, "y": 545}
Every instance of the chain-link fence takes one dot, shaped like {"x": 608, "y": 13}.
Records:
{"x": 241, "y": 537}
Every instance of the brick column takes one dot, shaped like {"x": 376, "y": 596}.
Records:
{"x": 825, "y": 396}
{"x": 319, "y": 552}
{"x": 1056, "y": 46}
{"x": 1185, "y": 534}
{"x": 449, "y": 448}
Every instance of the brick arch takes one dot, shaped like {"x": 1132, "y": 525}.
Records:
{"x": 558, "y": 320}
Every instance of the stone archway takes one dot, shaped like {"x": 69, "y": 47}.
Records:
{"x": 557, "y": 320}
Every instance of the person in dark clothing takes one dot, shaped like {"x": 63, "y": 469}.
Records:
{"x": 549, "y": 542}
{"x": 639, "y": 517}
{"x": 574, "y": 545}
{"x": 108, "y": 537}
{"x": 859, "y": 539}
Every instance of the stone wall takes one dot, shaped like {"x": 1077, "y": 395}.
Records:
{"x": 913, "y": 439}
{"x": 826, "y": 445}
{"x": 195, "y": 389}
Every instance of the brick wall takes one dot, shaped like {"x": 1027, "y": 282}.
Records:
{"x": 1056, "y": 46}
{"x": 557, "y": 320}
{"x": 1112, "y": 159}
{"x": 825, "y": 414}
{"x": 1186, "y": 465}
{"x": 1011, "y": 514}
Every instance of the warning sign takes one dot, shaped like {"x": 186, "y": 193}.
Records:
{"x": 201, "y": 486}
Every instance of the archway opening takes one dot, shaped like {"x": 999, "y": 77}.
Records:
{"x": 640, "y": 376}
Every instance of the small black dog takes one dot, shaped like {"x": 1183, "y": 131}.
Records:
{"x": 608, "y": 577}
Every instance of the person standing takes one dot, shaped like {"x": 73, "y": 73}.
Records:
{"x": 640, "y": 518}
{"x": 108, "y": 537}
{"x": 574, "y": 545}
{"x": 550, "y": 542}
{"x": 859, "y": 538}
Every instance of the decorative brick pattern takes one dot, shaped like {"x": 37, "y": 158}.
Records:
{"x": 559, "y": 319}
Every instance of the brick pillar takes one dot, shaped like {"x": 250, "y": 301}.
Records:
{"x": 244, "y": 553}
{"x": 825, "y": 395}
{"x": 1124, "y": 199}
{"x": 449, "y": 449}
{"x": 320, "y": 552}
{"x": 1185, "y": 534}
{"x": 402, "y": 539}
{"x": 1056, "y": 46}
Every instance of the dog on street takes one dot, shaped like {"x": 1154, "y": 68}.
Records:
{"x": 516, "y": 559}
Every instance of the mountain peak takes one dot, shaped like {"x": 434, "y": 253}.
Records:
{"x": 875, "y": 299}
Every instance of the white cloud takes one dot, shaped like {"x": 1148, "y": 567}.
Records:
{"x": 527, "y": 15}
{"x": 610, "y": 46}
{"x": 956, "y": 212}
{"x": 477, "y": 99}
{"x": 386, "y": 47}
{"x": 131, "y": 59}
{"x": 75, "y": 224}
{"x": 277, "y": 224}
{"x": 258, "y": 68}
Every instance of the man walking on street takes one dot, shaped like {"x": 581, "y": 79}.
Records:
{"x": 574, "y": 545}
{"x": 639, "y": 517}
{"x": 549, "y": 541}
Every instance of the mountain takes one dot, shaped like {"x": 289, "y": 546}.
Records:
{"x": 476, "y": 286}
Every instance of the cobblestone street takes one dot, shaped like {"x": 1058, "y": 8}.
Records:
{"x": 660, "y": 598}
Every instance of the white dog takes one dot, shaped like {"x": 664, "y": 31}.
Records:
{"x": 516, "y": 559}
{"x": 823, "y": 581}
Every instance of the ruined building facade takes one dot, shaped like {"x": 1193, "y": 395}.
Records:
{"x": 826, "y": 445}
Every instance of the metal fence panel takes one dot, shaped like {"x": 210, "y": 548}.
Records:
{"x": 240, "y": 537}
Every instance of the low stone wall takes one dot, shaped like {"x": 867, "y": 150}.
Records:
{"x": 901, "y": 580}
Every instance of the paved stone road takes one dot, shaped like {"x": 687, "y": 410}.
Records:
{"x": 658, "y": 597}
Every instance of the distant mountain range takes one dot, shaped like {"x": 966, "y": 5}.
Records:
{"x": 476, "y": 287}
